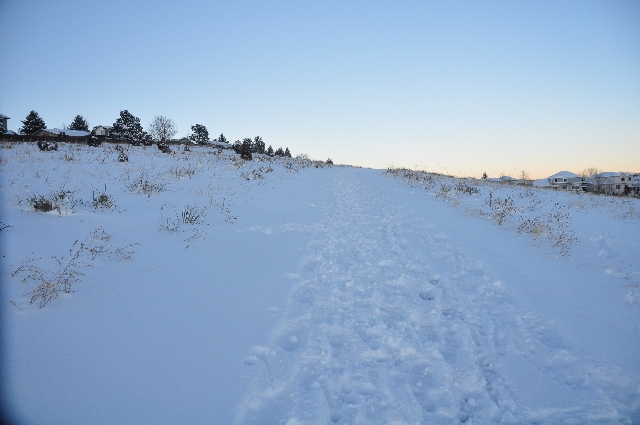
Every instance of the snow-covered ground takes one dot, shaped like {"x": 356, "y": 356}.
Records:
{"x": 206, "y": 289}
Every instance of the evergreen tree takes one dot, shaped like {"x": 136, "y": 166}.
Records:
{"x": 279, "y": 152}
{"x": 222, "y": 139}
{"x": 245, "y": 152}
{"x": 33, "y": 123}
{"x": 79, "y": 123}
{"x": 287, "y": 153}
{"x": 270, "y": 151}
{"x": 484, "y": 175}
{"x": 249, "y": 142}
{"x": 237, "y": 146}
{"x": 128, "y": 127}
{"x": 258, "y": 145}
{"x": 200, "y": 134}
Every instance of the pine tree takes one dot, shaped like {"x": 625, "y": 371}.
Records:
{"x": 33, "y": 123}
{"x": 237, "y": 146}
{"x": 258, "y": 145}
{"x": 79, "y": 123}
{"x": 250, "y": 143}
{"x": 270, "y": 151}
{"x": 287, "y": 153}
{"x": 279, "y": 152}
{"x": 222, "y": 139}
{"x": 484, "y": 175}
{"x": 245, "y": 152}
{"x": 128, "y": 128}
{"x": 200, "y": 134}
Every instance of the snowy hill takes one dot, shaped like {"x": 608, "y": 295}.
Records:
{"x": 207, "y": 289}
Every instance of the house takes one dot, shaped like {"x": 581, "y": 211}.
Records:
{"x": 564, "y": 180}
{"x": 61, "y": 132}
{"x": 183, "y": 140}
{"x": 635, "y": 184}
{"x": 503, "y": 179}
{"x": 3, "y": 123}
{"x": 101, "y": 131}
{"x": 610, "y": 183}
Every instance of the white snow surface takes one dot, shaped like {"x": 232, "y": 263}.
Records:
{"x": 274, "y": 292}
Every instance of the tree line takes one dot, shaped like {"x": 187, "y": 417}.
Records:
{"x": 161, "y": 130}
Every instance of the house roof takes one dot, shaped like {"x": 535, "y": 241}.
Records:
{"x": 609, "y": 174}
{"x": 72, "y": 133}
{"x": 564, "y": 175}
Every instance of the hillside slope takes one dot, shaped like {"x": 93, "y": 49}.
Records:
{"x": 276, "y": 292}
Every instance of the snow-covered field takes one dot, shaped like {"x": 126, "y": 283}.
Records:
{"x": 207, "y": 289}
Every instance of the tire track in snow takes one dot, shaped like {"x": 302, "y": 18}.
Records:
{"x": 390, "y": 324}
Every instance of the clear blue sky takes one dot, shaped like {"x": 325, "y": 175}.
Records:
{"x": 456, "y": 87}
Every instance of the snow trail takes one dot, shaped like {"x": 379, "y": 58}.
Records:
{"x": 389, "y": 323}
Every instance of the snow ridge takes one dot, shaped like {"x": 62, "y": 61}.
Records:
{"x": 389, "y": 323}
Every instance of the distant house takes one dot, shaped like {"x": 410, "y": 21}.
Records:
{"x": 183, "y": 140}
{"x": 101, "y": 130}
{"x": 61, "y": 132}
{"x": 611, "y": 183}
{"x": 3, "y": 122}
{"x": 566, "y": 180}
{"x": 503, "y": 179}
{"x": 635, "y": 184}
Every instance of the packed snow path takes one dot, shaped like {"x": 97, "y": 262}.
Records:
{"x": 390, "y": 323}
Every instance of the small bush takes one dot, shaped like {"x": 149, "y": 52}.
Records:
{"x": 192, "y": 214}
{"x": 122, "y": 155}
{"x": 94, "y": 142}
{"x": 444, "y": 192}
{"x": 145, "y": 185}
{"x": 164, "y": 148}
{"x": 102, "y": 199}
{"x": 81, "y": 254}
{"x": 42, "y": 204}
{"x": 54, "y": 201}
{"x": 47, "y": 145}
{"x": 503, "y": 209}
{"x": 466, "y": 189}
{"x": 180, "y": 172}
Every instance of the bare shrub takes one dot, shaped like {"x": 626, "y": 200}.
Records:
{"x": 465, "y": 188}
{"x": 164, "y": 147}
{"x": 534, "y": 226}
{"x": 47, "y": 145}
{"x": 444, "y": 192}
{"x": 257, "y": 174}
{"x": 94, "y": 142}
{"x": 145, "y": 185}
{"x": 55, "y": 201}
{"x": 503, "y": 209}
{"x": 81, "y": 254}
{"x": 563, "y": 237}
{"x": 180, "y": 172}
{"x": 122, "y": 155}
{"x": 42, "y": 204}
{"x": 102, "y": 199}
{"x": 192, "y": 214}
